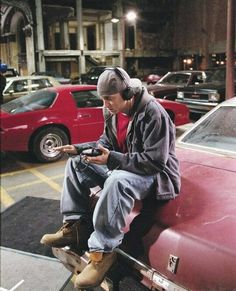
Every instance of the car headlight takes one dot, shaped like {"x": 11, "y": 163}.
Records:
{"x": 180, "y": 95}
{"x": 214, "y": 96}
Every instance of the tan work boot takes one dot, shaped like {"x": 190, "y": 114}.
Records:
{"x": 75, "y": 233}
{"x": 94, "y": 273}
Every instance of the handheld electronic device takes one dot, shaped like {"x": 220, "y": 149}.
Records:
{"x": 91, "y": 152}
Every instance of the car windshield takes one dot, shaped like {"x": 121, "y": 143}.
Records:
{"x": 219, "y": 75}
{"x": 96, "y": 70}
{"x": 216, "y": 131}
{"x": 175, "y": 79}
{"x": 35, "y": 101}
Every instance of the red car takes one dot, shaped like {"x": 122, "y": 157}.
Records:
{"x": 59, "y": 115}
{"x": 155, "y": 76}
{"x": 188, "y": 243}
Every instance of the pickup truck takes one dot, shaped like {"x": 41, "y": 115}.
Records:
{"x": 202, "y": 98}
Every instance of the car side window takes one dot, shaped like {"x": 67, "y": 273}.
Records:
{"x": 18, "y": 86}
{"x": 87, "y": 99}
{"x": 196, "y": 79}
{"x": 40, "y": 84}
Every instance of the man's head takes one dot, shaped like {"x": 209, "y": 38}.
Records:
{"x": 115, "y": 87}
{"x": 113, "y": 81}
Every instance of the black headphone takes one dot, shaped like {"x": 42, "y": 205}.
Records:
{"x": 128, "y": 92}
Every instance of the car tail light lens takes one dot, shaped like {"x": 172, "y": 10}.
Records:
{"x": 214, "y": 96}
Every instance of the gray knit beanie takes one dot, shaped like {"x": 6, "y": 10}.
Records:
{"x": 110, "y": 83}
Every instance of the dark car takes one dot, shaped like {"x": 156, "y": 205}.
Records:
{"x": 203, "y": 97}
{"x": 11, "y": 72}
{"x": 168, "y": 85}
{"x": 187, "y": 243}
{"x": 91, "y": 77}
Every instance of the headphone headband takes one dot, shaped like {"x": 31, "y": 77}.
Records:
{"x": 127, "y": 93}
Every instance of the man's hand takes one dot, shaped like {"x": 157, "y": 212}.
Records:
{"x": 100, "y": 160}
{"x": 70, "y": 149}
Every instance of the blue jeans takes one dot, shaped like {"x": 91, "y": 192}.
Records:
{"x": 120, "y": 189}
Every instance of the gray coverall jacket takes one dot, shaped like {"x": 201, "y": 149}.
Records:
{"x": 150, "y": 142}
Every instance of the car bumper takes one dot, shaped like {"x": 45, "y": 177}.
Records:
{"x": 198, "y": 107}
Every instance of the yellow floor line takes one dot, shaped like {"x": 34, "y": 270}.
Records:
{"x": 27, "y": 168}
{"x": 45, "y": 179}
{"x": 5, "y": 198}
{"x": 31, "y": 183}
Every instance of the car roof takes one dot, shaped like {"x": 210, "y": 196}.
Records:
{"x": 71, "y": 87}
{"x": 28, "y": 77}
{"x": 187, "y": 71}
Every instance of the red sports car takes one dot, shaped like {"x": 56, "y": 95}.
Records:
{"x": 59, "y": 115}
{"x": 188, "y": 243}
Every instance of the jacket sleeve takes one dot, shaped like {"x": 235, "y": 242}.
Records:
{"x": 151, "y": 144}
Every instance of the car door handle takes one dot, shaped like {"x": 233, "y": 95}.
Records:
{"x": 85, "y": 115}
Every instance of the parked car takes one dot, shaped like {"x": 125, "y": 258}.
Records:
{"x": 91, "y": 77}
{"x": 58, "y": 77}
{"x": 19, "y": 86}
{"x": 155, "y": 76}
{"x": 187, "y": 243}
{"x": 57, "y": 116}
{"x": 203, "y": 97}
{"x": 168, "y": 85}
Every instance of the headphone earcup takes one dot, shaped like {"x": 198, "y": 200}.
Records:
{"x": 128, "y": 93}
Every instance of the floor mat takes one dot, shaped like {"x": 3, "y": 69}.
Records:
{"x": 24, "y": 223}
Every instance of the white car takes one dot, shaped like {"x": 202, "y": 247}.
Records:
{"x": 19, "y": 86}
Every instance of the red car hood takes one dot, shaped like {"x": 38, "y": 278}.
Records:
{"x": 198, "y": 227}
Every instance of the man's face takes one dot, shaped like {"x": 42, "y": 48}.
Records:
{"x": 114, "y": 103}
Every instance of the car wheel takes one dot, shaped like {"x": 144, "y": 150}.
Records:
{"x": 45, "y": 141}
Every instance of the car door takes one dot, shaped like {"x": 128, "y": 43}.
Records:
{"x": 89, "y": 117}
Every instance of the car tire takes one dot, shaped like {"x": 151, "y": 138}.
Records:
{"x": 45, "y": 140}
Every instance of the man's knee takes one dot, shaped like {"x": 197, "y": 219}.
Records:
{"x": 117, "y": 179}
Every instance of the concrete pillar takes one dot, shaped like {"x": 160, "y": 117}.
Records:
{"x": 205, "y": 43}
{"x": 121, "y": 33}
{"x": 64, "y": 32}
{"x": 29, "y": 40}
{"x": 98, "y": 35}
{"x": 80, "y": 37}
{"x": 40, "y": 35}
{"x": 51, "y": 37}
